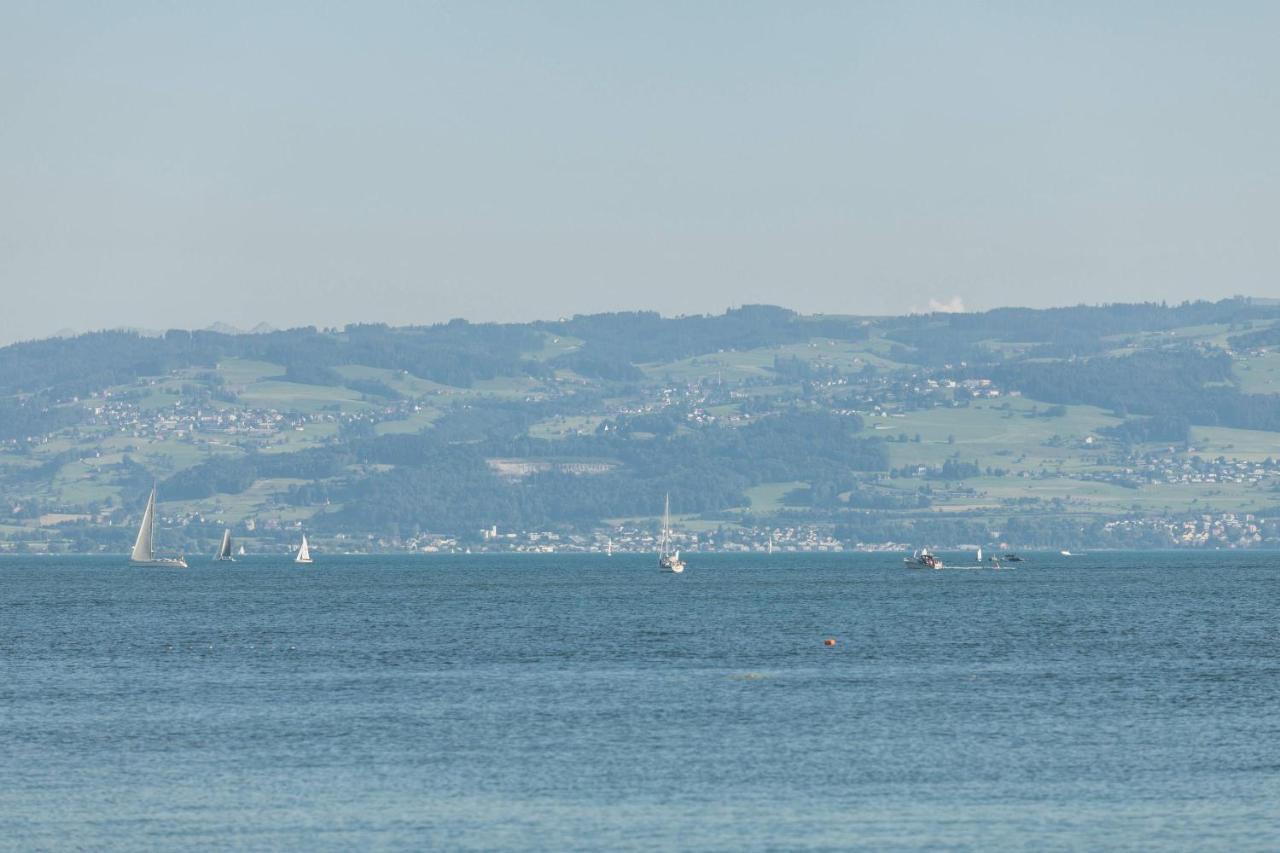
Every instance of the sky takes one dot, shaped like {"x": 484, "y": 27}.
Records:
{"x": 176, "y": 165}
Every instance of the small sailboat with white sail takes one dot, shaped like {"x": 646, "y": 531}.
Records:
{"x": 304, "y": 552}
{"x": 224, "y": 550}
{"x": 144, "y": 550}
{"x": 668, "y": 560}
{"x": 240, "y": 553}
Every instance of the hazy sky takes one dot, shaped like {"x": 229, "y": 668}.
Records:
{"x": 179, "y": 164}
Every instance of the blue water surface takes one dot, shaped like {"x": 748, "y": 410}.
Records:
{"x": 1110, "y": 701}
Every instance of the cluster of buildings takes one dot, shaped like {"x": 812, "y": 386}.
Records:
{"x": 627, "y": 539}
{"x": 186, "y": 420}
{"x": 1189, "y": 471}
{"x": 1171, "y": 469}
{"x": 1225, "y": 530}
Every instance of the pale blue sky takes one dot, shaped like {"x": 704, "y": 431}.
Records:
{"x": 176, "y": 164}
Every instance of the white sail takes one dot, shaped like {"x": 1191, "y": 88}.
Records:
{"x": 224, "y": 550}
{"x": 241, "y": 551}
{"x": 979, "y": 555}
{"x": 143, "y": 548}
{"x": 304, "y": 553}
{"x": 144, "y": 552}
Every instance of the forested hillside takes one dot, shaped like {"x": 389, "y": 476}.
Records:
{"x": 1095, "y": 425}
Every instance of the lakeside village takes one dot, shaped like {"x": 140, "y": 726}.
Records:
{"x": 1214, "y": 531}
{"x": 148, "y": 432}
{"x": 1224, "y": 530}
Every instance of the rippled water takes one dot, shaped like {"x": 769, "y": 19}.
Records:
{"x": 1118, "y": 701}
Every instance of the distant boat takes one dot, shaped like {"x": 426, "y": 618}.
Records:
{"x": 608, "y": 548}
{"x": 1012, "y": 558}
{"x": 922, "y": 559}
{"x": 144, "y": 552}
{"x": 668, "y": 560}
{"x": 304, "y": 553}
{"x": 240, "y": 553}
{"x": 1065, "y": 553}
{"x": 979, "y": 555}
{"x": 224, "y": 550}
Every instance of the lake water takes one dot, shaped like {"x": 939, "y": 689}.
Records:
{"x": 1103, "y": 701}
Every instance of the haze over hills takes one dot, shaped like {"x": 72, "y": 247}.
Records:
{"x": 1108, "y": 426}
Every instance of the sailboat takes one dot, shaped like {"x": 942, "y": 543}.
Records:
{"x": 144, "y": 551}
{"x": 304, "y": 553}
{"x": 240, "y": 553}
{"x": 224, "y": 550}
{"x": 979, "y": 554}
{"x": 668, "y": 560}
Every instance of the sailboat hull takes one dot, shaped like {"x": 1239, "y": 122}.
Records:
{"x": 161, "y": 563}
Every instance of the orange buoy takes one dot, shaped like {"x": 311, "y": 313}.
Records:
{"x": 828, "y": 642}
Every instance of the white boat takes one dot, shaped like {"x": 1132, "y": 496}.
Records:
{"x": 144, "y": 551}
{"x": 304, "y": 553}
{"x": 240, "y": 553}
{"x": 979, "y": 555}
{"x": 1065, "y": 553}
{"x": 922, "y": 559}
{"x": 608, "y": 550}
{"x": 224, "y": 550}
{"x": 668, "y": 560}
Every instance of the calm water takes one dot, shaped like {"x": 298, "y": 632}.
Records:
{"x": 1106, "y": 701}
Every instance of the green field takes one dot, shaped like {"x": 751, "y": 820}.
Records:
{"x": 738, "y": 365}
{"x": 240, "y": 372}
{"x": 768, "y": 497}
{"x": 565, "y": 425}
{"x": 991, "y": 435}
{"x": 1259, "y": 374}
{"x": 416, "y": 422}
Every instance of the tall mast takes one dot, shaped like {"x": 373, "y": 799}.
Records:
{"x": 666, "y": 524}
